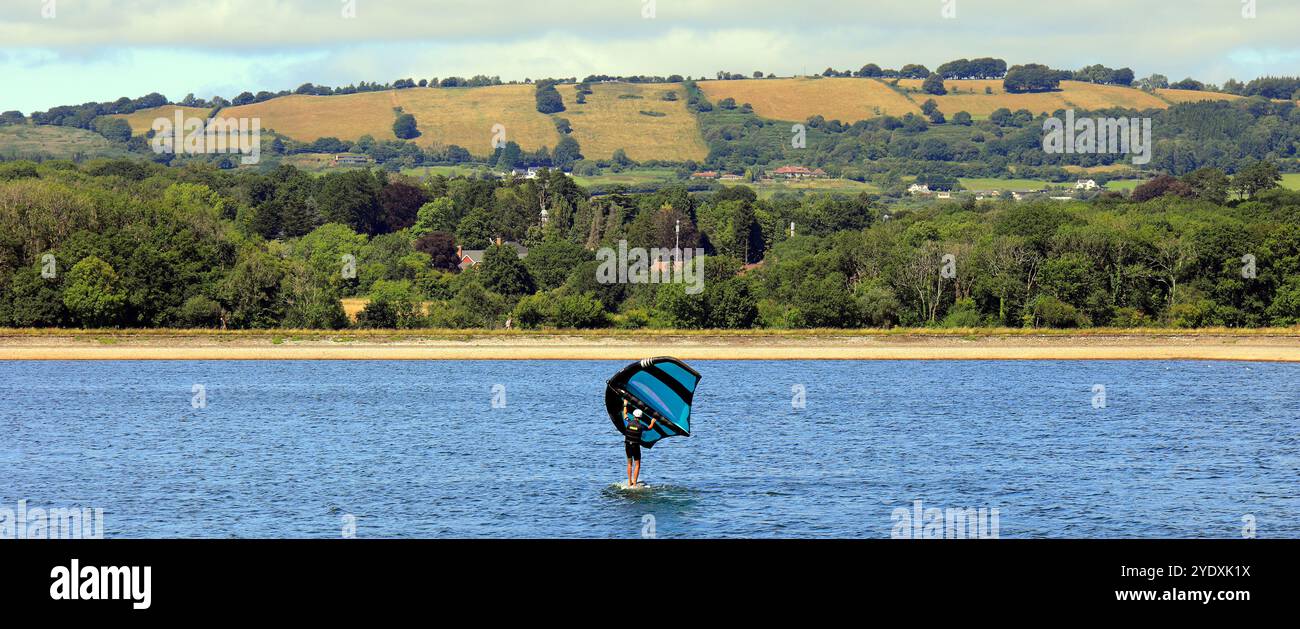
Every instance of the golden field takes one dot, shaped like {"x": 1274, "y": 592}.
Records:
{"x": 611, "y": 119}
{"x": 797, "y": 99}
{"x": 142, "y": 121}
{"x": 970, "y": 96}
{"x": 849, "y": 100}
{"x": 460, "y": 116}
{"x": 1192, "y": 96}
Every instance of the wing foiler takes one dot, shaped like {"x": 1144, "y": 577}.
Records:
{"x": 662, "y": 388}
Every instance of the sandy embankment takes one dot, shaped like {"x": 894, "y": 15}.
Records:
{"x": 1282, "y": 346}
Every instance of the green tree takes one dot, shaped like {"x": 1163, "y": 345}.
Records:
{"x": 1031, "y": 77}
{"x": 682, "y": 309}
{"x": 534, "y": 311}
{"x": 332, "y": 252}
{"x": 1256, "y": 178}
{"x": 92, "y": 295}
{"x": 250, "y": 293}
{"x": 586, "y": 279}
{"x": 393, "y": 304}
{"x": 436, "y": 215}
{"x": 405, "y": 127}
{"x": 31, "y": 301}
{"x": 731, "y": 304}
{"x": 310, "y": 302}
{"x": 1209, "y": 184}
{"x": 825, "y": 303}
{"x": 551, "y": 262}
{"x": 201, "y": 311}
{"x": 115, "y": 129}
{"x": 476, "y": 230}
{"x": 548, "y": 98}
{"x": 352, "y": 198}
{"x": 473, "y": 307}
{"x": 510, "y": 156}
{"x": 579, "y": 310}
{"x": 504, "y": 273}
{"x": 934, "y": 85}
{"x": 566, "y": 153}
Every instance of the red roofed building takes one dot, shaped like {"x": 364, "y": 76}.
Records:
{"x": 798, "y": 172}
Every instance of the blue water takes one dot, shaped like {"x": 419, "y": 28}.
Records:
{"x": 415, "y": 449}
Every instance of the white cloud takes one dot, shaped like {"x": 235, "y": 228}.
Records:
{"x": 102, "y": 49}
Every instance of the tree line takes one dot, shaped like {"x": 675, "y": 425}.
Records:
{"x": 1187, "y": 136}
{"x": 126, "y": 243}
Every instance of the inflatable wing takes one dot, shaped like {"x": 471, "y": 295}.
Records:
{"x": 662, "y": 388}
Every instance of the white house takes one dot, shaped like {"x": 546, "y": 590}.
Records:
{"x": 1086, "y": 184}
{"x": 918, "y": 188}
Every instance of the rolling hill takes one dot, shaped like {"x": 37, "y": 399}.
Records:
{"x": 636, "y": 118}
{"x": 142, "y": 121}
{"x": 613, "y": 118}
{"x": 799, "y": 98}
{"x": 461, "y": 116}
{"x": 47, "y": 141}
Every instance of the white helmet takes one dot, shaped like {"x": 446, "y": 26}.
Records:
{"x": 636, "y": 413}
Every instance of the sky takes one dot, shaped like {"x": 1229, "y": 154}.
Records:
{"x": 60, "y": 52}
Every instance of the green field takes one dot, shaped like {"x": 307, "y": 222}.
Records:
{"x": 1124, "y": 184}
{"x": 980, "y": 184}
{"x": 1291, "y": 181}
{"x": 635, "y": 177}
{"x": 836, "y": 186}
{"x": 27, "y": 141}
{"x": 446, "y": 171}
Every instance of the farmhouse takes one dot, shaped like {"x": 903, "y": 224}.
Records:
{"x": 1021, "y": 195}
{"x": 798, "y": 172}
{"x": 918, "y": 189}
{"x": 350, "y": 159}
{"x": 473, "y": 257}
{"x": 1086, "y": 184}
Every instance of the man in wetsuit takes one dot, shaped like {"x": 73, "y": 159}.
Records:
{"x": 632, "y": 442}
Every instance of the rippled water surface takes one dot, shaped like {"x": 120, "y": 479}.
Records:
{"x": 415, "y": 449}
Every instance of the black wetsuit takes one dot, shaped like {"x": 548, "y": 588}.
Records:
{"x": 632, "y": 439}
